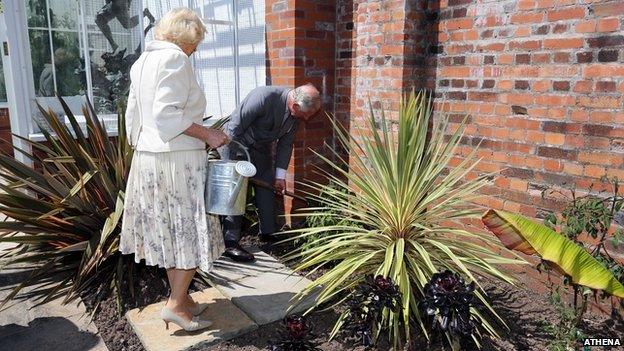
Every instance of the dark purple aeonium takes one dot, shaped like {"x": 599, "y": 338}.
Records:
{"x": 296, "y": 336}
{"x": 447, "y": 301}
{"x": 365, "y": 306}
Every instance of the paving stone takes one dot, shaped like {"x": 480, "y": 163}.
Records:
{"x": 262, "y": 289}
{"x": 53, "y": 326}
{"x": 228, "y": 322}
{"x": 226, "y": 270}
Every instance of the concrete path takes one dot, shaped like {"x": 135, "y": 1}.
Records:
{"x": 51, "y": 327}
{"x": 243, "y": 296}
{"x": 228, "y": 322}
{"x": 263, "y": 289}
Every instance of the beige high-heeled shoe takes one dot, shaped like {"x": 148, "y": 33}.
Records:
{"x": 198, "y": 309}
{"x": 194, "y": 324}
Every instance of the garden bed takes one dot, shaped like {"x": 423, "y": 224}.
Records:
{"x": 524, "y": 311}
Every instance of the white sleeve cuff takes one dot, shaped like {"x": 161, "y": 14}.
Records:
{"x": 280, "y": 173}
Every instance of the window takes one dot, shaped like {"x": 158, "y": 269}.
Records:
{"x": 231, "y": 60}
{"x": 85, "y": 48}
{"x": 3, "y": 93}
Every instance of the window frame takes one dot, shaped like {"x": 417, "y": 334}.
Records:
{"x": 21, "y": 22}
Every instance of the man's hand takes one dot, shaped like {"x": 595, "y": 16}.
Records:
{"x": 280, "y": 185}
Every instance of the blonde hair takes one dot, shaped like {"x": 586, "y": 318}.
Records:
{"x": 180, "y": 26}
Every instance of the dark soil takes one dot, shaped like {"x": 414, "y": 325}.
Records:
{"x": 524, "y": 311}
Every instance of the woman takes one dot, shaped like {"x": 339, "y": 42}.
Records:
{"x": 164, "y": 219}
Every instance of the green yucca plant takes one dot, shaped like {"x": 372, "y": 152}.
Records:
{"x": 65, "y": 213}
{"x": 402, "y": 202}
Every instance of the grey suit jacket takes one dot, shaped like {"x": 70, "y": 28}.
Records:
{"x": 263, "y": 118}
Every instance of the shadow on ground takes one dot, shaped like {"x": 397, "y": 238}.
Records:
{"x": 49, "y": 333}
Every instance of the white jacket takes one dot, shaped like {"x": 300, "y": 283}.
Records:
{"x": 164, "y": 91}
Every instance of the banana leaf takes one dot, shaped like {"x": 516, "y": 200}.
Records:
{"x": 521, "y": 234}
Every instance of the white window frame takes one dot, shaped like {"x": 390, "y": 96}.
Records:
{"x": 22, "y": 81}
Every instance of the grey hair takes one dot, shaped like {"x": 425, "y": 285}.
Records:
{"x": 307, "y": 99}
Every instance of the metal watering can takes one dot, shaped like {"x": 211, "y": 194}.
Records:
{"x": 226, "y": 186}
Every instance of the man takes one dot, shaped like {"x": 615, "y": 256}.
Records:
{"x": 267, "y": 117}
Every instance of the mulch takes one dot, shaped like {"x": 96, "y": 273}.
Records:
{"x": 524, "y": 311}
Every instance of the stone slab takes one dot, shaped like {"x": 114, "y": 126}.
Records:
{"x": 228, "y": 322}
{"x": 53, "y": 326}
{"x": 263, "y": 289}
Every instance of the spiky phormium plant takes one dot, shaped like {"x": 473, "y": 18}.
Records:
{"x": 407, "y": 193}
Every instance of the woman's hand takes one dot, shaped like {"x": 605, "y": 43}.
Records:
{"x": 210, "y": 136}
{"x": 215, "y": 138}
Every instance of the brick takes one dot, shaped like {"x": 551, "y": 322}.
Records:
{"x": 609, "y": 9}
{"x": 605, "y": 87}
{"x": 606, "y": 41}
{"x": 584, "y": 57}
{"x": 603, "y": 70}
{"x": 555, "y": 152}
{"x": 527, "y": 17}
{"x": 563, "y": 43}
{"x": 456, "y": 95}
{"x": 586, "y": 26}
{"x": 583, "y": 86}
{"x": 464, "y": 23}
{"x": 541, "y": 58}
{"x": 519, "y": 173}
{"x": 525, "y": 45}
{"x": 608, "y": 56}
{"x": 561, "y": 127}
{"x": 521, "y": 84}
{"x": 603, "y": 116}
{"x": 455, "y": 71}
{"x": 600, "y": 101}
{"x": 482, "y": 96}
{"x": 566, "y": 14}
{"x": 458, "y": 2}
{"x": 560, "y": 28}
{"x": 522, "y": 31}
{"x": 541, "y": 86}
{"x": 597, "y": 129}
{"x": 523, "y": 58}
{"x": 608, "y": 25}
{"x": 562, "y": 57}
{"x": 488, "y": 84}
{"x": 554, "y": 138}
{"x": 561, "y": 86}
{"x": 505, "y": 59}
{"x": 542, "y": 30}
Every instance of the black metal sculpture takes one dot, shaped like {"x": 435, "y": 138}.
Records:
{"x": 119, "y": 9}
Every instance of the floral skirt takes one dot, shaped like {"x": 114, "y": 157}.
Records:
{"x": 164, "y": 220}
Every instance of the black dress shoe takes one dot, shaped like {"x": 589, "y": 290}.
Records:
{"x": 269, "y": 238}
{"x": 239, "y": 254}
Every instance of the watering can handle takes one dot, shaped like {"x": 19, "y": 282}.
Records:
{"x": 245, "y": 148}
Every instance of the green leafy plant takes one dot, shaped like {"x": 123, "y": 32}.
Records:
{"x": 325, "y": 218}
{"x": 402, "y": 209}
{"x": 583, "y": 268}
{"x": 565, "y": 333}
{"x": 64, "y": 214}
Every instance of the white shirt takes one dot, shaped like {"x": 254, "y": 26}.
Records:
{"x": 164, "y": 91}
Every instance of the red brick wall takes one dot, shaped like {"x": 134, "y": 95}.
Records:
{"x": 369, "y": 58}
{"x": 543, "y": 83}
{"x": 5, "y": 132}
{"x": 300, "y": 50}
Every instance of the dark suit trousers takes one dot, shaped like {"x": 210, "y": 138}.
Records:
{"x": 264, "y": 199}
